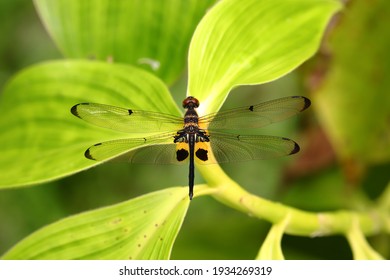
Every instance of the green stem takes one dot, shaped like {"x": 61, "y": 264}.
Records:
{"x": 303, "y": 223}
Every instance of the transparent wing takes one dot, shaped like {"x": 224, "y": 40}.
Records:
{"x": 235, "y": 148}
{"x": 255, "y": 116}
{"x": 158, "y": 149}
{"x": 126, "y": 120}
{"x": 154, "y": 154}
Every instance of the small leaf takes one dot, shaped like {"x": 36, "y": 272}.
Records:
{"x": 361, "y": 250}
{"x": 41, "y": 140}
{"x": 141, "y": 228}
{"x": 253, "y": 42}
{"x": 272, "y": 246}
{"x": 383, "y": 200}
{"x": 151, "y": 34}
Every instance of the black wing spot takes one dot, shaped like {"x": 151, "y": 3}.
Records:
{"x": 296, "y": 148}
{"x": 307, "y": 103}
{"x": 251, "y": 108}
{"x": 88, "y": 155}
{"x": 130, "y": 111}
{"x": 181, "y": 154}
{"x": 73, "y": 110}
{"x": 202, "y": 154}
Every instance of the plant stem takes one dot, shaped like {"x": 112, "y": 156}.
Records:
{"x": 302, "y": 223}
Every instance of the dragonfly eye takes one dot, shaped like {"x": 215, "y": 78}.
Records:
{"x": 190, "y": 102}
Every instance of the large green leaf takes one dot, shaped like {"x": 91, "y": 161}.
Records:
{"x": 152, "y": 34}
{"x": 142, "y": 228}
{"x": 41, "y": 140}
{"x": 253, "y": 42}
{"x": 354, "y": 99}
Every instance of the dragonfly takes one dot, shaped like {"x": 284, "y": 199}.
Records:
{"x": 194, "y": 139}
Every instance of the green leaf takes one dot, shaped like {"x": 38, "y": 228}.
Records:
{"x": 272, "y": 246}
{"x": 253, "y": 42}
{"x": 353, "y": 100}
{"x": 141, "y": 228}
{"x": 151, "y": 34}
{"x": 42, "y": 140}
{"x": 383, "y": 200}
{"x": 361, "y": 250}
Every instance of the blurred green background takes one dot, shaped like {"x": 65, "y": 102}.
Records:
{"x": 322, "y": 177}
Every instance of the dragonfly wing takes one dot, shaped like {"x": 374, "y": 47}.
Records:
{"x": 228, "y": 147}
{"x": 126, "y": 120}
{"x": 151, "y": 150}
{"x": 256, "y": 116}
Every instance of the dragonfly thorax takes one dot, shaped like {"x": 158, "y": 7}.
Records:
{"x": 191, "y": 117}
{"x": 191, "y": 122}
{"x": 183, "y": 136}
{"x": 191, "y": 133}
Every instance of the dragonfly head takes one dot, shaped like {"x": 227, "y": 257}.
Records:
{"x": 190, "y": 102}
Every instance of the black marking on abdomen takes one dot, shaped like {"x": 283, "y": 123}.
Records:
{"x": 130, "y": 111}
{"x": 202, "y": 154}
{"x": 181, "y": 154}
{"x": 251, "y": 108}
